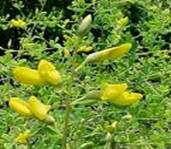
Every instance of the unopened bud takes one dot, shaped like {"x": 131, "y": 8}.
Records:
{"x": 85, "y": 25}
{"x": 49, "y": 119}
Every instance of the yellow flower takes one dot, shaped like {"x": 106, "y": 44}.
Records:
{"x": 18, "y": 23}
{"x": 27, "y": 76}
{"x": 20, "y": 106}
{"x": 32, "y": 108}
{"x": 117, "y": 94}
{"x": 107, "y": 54}
{"x": 48, "y": 72}
{"x": 111, "y": 53}
{"x": 23, "y": 137}
{"x": 127, "y": 98}
{"x": 112, "y": 91}
{"x": 85, "y": 25}
{"x": 40, "y": 110}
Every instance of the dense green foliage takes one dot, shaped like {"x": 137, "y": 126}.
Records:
{"x": 51, "y": 28}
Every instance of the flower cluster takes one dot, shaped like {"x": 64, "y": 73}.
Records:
{"x": 31, "y": 108}
{"x": 46, "y": 73}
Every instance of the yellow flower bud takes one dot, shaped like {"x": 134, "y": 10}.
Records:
{"x": 85, "y": 49}
{"x": 49, "y": 119}
{"x": 18, "y": 23}
{"x": 23, "y": 137}
{"x": 66, "y": 53}
{"x": 85, "y": 25}
{"x": 127, "y": 98}
{"x": 48, "y": 72}
{"x": 38, "y": 109}
{"x": 107, "y": 54}
{"x": 27, "y": 76}
{"x": 111, "y": 53}
{"x": 20, "y": 106}
{"x": 112, "y": 91}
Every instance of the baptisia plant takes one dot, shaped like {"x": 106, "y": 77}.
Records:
{"x": 46, "y": 74}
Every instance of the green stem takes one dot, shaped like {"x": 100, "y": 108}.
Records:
{"x": 81, "y": 65}
{"x": 67, "y": 111}
{"x": 66, "y": 123}
{"x": 108, "y": 141}
{"x": 29, "y": 146}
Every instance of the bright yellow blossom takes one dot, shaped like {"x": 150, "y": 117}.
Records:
{"x": 111, "y": 53}
{"x": 40, "y": 110}
{"x": 117, "y": 94}
{"x": 127, "y": 98}
{"x": 45, "y": 74}
{"x": 112, "y": 91}
{"x": 20, "y": 106}
{"x": 27, "y": 76}
{"x": 32, "y": 108}
{"x": 107, "y": 54}
{"x": 18, "y": 23}
{"x": 48, "y": 72}
{"x": 23, "y": 137}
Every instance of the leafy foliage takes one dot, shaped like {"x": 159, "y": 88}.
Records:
{"x": 51, "y": 28}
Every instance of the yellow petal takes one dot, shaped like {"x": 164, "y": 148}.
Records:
{"x": 127, "y": 98}
{"x": 27, "y": 76}
{"x": 23, "y": 137}
{"x": 53, "y": 77}
{"x": 48, "y": 72}
{"x": 111, "y": 91}
{"x": 38, "y": 109}
{"x": 20, "y": 106}
{"x": 111, "y": 53}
